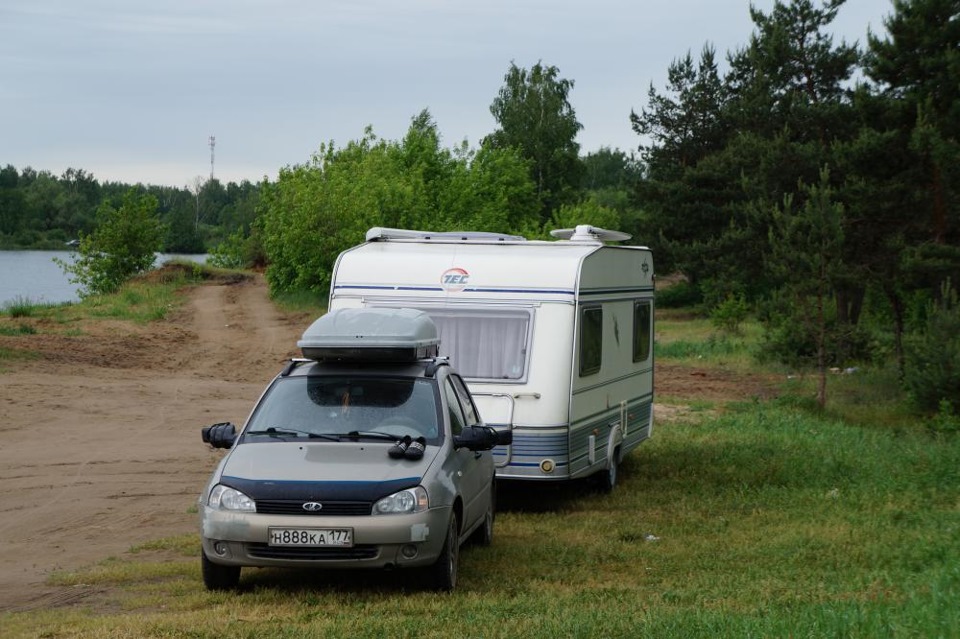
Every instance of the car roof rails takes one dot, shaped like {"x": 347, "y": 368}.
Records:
{"x": 292, "y": 364}
{"x": 434, "y": 365}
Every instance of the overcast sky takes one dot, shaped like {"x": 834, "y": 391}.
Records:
{"x": 131, "y": 90}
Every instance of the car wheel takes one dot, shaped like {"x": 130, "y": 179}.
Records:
{"x": 217, "y": 576}
{"x": 484, "y": 534}
{"x": 443, "y": 573}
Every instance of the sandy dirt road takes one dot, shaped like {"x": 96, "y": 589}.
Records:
{"x": 100, "y": 446}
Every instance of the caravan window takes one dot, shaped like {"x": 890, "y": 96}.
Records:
{"x": 484, "y": 344}
{"x": 641, "y": 331}
{"x": 591, "y": 340}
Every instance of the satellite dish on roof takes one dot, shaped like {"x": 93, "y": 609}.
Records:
{"x": 587, "y": 233}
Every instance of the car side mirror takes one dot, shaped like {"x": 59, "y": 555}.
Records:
{"x": 477, "y": 438}
{"x": 504, "y": 437}
{"x": 220, "y": 435}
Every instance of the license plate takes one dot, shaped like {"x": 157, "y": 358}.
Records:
{"x": 310, "y": 537}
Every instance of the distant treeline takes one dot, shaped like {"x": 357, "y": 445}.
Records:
{"x": 43, "y": 211}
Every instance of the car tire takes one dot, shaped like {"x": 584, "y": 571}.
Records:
{"x": 217, "y": 576}
{"x": 484, "y": 534}
{"x": 443, "y": 573}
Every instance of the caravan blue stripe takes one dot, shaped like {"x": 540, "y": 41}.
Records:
{"x": 438, "y": 289}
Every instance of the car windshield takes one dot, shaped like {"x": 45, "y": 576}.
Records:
{"x": 345, "y": 408}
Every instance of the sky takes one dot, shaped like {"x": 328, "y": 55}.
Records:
{"x": 132, "y": 90}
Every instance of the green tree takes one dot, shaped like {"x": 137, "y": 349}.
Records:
{"x": 918, "y": 65}
{"x": 680, "y": 128}
{"x": 722, "y": 153}
{"x": 316, "y": 210}
{"x": 792, "y": 74}
{"x": 933, "y": 376}
{"x": 12, "y": 203}
{"x": 807, "y": 252}
{"x": 122, "y": 245}
{"x": 78, "y": 202}
{"x": 534, "y": 116}
{"x": 494, "y": 192}
{"x": 609, "y": 168}
{"x": 589, "y": 212}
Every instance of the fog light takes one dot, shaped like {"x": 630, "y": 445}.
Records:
{"x": 547, "y": 465}
{"x": 220, "y": 547}
{"x": 409, "y": 551}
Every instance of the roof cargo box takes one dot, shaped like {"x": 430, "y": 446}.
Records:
{"x": 371, "y": 335}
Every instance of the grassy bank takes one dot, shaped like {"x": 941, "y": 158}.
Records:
{"x": 147, "y": 298}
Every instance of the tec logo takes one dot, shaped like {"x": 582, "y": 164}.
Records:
{"x": 454, "y": 280}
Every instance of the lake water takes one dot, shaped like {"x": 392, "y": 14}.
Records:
{"x": 33, "y": 276}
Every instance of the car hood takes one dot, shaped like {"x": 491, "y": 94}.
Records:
{"x": 344, "y": 470}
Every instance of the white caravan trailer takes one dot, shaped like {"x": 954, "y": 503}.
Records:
{"x": 554, "y": 338}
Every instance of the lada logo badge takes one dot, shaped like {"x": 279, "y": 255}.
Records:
{"x": 454, "y": 280}
{"x": 312, "y": 506}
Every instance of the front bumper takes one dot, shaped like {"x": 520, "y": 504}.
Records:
{"x": 379, "y": 541}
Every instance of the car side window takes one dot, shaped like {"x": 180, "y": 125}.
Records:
{"x": 457, "y": 419}
{"x": 469, "y": 410}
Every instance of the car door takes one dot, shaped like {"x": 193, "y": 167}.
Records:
{"x": 474, "y": 469}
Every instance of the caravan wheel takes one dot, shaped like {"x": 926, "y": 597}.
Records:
{"x": 608, "y": 478}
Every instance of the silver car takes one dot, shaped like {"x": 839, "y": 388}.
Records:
{"x": 351, "y": 464}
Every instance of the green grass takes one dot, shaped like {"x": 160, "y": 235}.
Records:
{"x": 141, "y": 300}
{"x": 767, "y": 522}
{"x": 683, "y": 338}
{"x": 14, "y": 354}
{"x": 18, "y": 329}
{"x": 25, "y": 307}
{"x": 309, "y": 302}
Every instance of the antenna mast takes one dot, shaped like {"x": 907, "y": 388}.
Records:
{"x": 213, "y": 142}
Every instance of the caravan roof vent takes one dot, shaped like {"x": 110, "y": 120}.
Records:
{"x": 587, "y": 233}
{"x": 371, "y": 335}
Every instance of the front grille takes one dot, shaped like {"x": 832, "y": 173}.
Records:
{"x": 330, "y": 508}
{"x": 263, "y": 551}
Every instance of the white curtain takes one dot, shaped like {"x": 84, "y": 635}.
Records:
{"x": 485, "y": 345}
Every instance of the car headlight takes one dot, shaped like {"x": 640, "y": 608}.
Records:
{"x": 226, "y": 498}
{"x": 411, "y": 500}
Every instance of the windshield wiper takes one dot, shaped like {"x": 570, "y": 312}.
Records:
{"x": 292, "y": 432}
{"x": 369, "y": 434}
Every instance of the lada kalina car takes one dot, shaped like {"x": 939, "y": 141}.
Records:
{"x": 367, "y": 453}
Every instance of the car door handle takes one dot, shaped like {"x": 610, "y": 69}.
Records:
{"x": 477, "y": 455}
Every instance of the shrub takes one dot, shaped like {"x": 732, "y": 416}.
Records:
{"x": 679, "y": 295}
{"x": 123, "y": 245}
{"x": 946, "y": 420}
{"x": 793, "y": 343}
{"x": 729, "y": 314}
{"x": 932, "y": 372}
{"x": 238, "y": 251}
